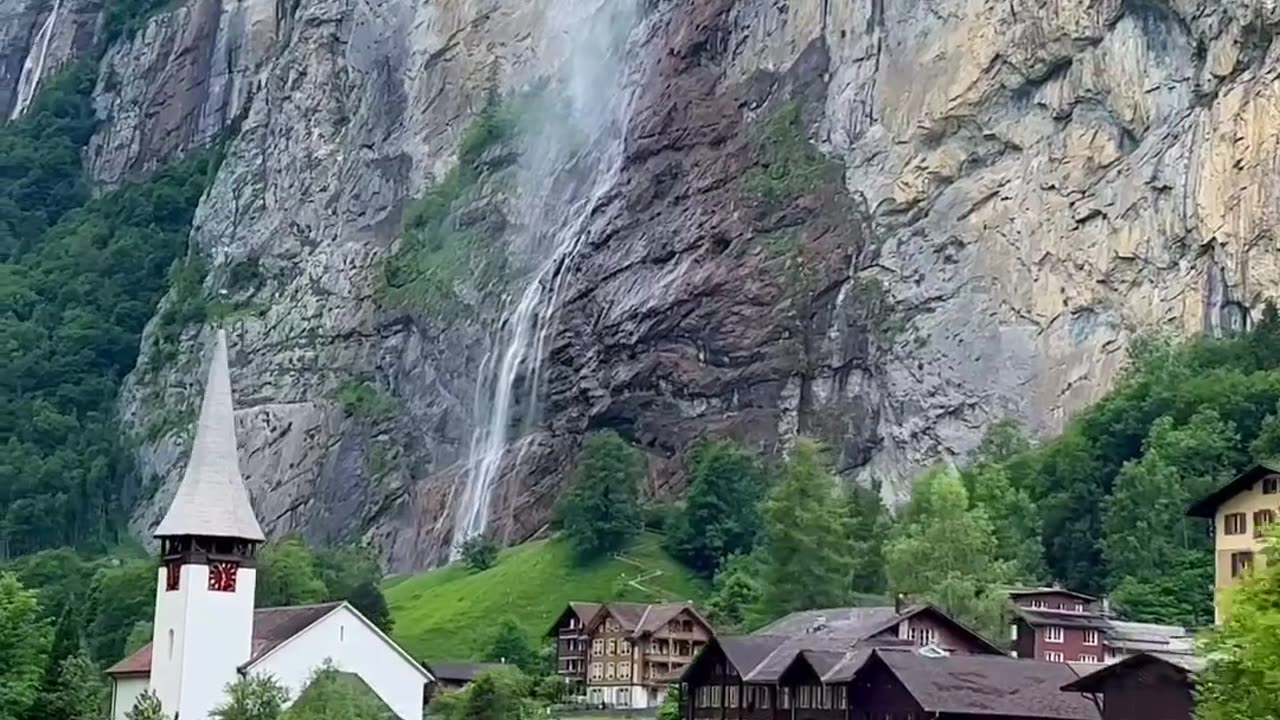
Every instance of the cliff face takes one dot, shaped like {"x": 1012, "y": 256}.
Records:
{"x": 1007, "y": 192}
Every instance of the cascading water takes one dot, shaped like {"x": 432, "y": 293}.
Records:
{"x": 592, "y": 38}
{"x": 33, "y": 65}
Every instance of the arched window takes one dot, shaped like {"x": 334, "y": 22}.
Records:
{"x": 170, "y": 643}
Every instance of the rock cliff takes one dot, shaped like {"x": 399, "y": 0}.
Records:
{"x": 886, "y": 224}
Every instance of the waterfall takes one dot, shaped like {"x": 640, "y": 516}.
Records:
{"x": 592, "y": 39}
{"x": 33, "y": 65}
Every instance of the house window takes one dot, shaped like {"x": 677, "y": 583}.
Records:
{"x": 784, "y": 698}
{"x": 608, "y": 671}
{"x": 1079, "y": 607}
{"x": 597, "y": 647}
{"x": 1271, "y": 485}
{"x": 624, "y": 671}
{"x": 1241, "y": 562}
{"x": 1261, "y": 519}
{"x": 1038, "y": 604}
{"x": 1053, "y": 656}
{"x": 840, "y": 697}
{"x": 1088, "y": 658}
{"x": 733, "y": 697}
{"x": 923, "y": 635}
{"x": 1235, "y": 524}
{"x": 1053, "y": 633}
{"x": 597, "y": 671}
{"x": 624, "y": 696}
{"x": 613, "y": 648}
{"x": 624, "y": 647}
{"x": 763, "y": 698}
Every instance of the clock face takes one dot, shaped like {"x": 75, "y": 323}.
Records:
{"x": 222, "y": 576}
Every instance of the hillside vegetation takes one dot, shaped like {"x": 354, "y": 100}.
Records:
{"x": 451, "y": 613}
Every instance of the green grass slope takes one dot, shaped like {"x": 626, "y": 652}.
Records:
{"x": 450, "y": 613}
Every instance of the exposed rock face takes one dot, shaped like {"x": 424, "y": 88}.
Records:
{"x": 37, "y": 39}
{"x": 1026, "y": 185}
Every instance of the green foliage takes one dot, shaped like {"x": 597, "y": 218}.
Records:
{"x": 736, "y": 595}
{"x": 146, "y": 707}
{"x": 672, "y": 705}
{"x": 721, "y": 515}
{"x": 124, "y": 594}
{"x": 1112, "y": 490}
{"x": 505, "y": 694}
{"x": 292, "y": 573}
{"x": 287, "y": 574}
{"x": 1241, "y": 680}
{"x": 79, "y": 692}
{"x": 944, "y": 550}
{"x": 448, "y": 613}
{"x": 869, "y": 524}
{"x": 80, "y": 278}
{"x": 438, "y": 251}
{"x": 124, "y": 18}
{"x": 139, "y": 636}
{"x": 365, "y": 401}
{"x": 510, "y": 645}
{"x": 25, "y": 640}
{"x": 334, "y": 695}
{"x": 788, "y": 165}
{"x": 805, "y": 556}
{"x": 602, "y": 510}
{"x": 256, "y": 697}
{"x": 1015, "y": 519}
{"x": 479, "y": 553}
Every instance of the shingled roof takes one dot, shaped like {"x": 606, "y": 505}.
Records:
{"x": 211, "y": 500}
{"x": 1184, "y": 665}
{"x": 271, "y": 628}
{"x": 987, "y": 685}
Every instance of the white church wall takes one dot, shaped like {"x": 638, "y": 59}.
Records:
{"x": 212, "y": 636}
{"x": 353, "y": 646}
{"x": 124, "y": 693}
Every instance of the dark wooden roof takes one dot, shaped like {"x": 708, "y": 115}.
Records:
{"x": 1039, "y": 617}
{"x": 1020, "y": 592}
{"x": 987, "y": 685}
{"x": 1207, "y": 506}
{"x": 461, "y": 672}
{"x": 271, "y": 628}
{"x": 584, "y": 611}
{"x": 1185, "y": 666}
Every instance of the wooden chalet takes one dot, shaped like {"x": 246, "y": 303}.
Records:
{"x": 1146, "y": 686}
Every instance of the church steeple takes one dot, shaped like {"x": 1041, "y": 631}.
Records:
{"x": 203, "y": 628}
{"x": 212, "y": 501}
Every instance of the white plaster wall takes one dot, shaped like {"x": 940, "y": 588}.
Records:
{"x": 212, "y": 637}
{"x": 353, "y": 647}
{"x": 124, "y": 693}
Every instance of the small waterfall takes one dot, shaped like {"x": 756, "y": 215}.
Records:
{"x": 592, "y": 38}
{"x": 33, "y": 65}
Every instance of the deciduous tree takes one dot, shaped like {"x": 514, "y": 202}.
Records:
{"x": 602, "y": 511}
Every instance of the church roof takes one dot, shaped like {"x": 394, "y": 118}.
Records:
{"x": 212, "y": 500}
{"x": 271, "y": 628}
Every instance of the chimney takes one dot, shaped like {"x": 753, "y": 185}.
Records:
{"x": 899, "y": 603}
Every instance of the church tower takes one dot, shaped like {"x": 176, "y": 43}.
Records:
{"x": 205, "y": 585}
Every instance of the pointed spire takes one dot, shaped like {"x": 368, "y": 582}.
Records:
{"x": 212, "y": 500}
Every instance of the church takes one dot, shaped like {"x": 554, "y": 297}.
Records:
{"x": 207, "y": 633}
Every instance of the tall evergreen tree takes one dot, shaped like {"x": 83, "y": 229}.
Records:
{"x": 721, "y": 515}
{"x": 805, "y": 556}
{"x": 602, "y": 511}
{"x": 24, "y": 648}
{"x": 869, "y": 526}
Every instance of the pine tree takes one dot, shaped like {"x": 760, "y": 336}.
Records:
{"x": 721, "y": 515}
{"x": 869, "y": 526}
{"x": 602, "y": 511}
{"x": 805, "y": 555}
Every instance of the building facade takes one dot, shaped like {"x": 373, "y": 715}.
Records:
{"x": 625, "y": 655}
{"x": 1242, "y": 511}
{"x": 1057, "y": 625}
{"x": 1145, "y": 686}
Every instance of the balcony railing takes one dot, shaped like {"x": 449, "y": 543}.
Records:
{"x": 571, "y": 632}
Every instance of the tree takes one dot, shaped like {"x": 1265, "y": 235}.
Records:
{"x": 80, "y": 692}
{"x": 505, "y": 694}
{"x": 24, "y": 648}
{"x": 333, "y": 695}
{"x": 602, "y": 511}
{"x": 805, "y": 559}
{"x": 510, "y": 645}
{"x": 1015, "y": 520}
{"x": 479, "y": 553}
{"x": 287, "y": 574}
{"x": 736, "y": 594}
{"x": 367, "y": 597}
{"x": 139, "y": 636}
{"x": 671, "y": 708}
{"x": 124, "y": 594}
{"x": 1240, "y": 680}
{"x": 944, "y": 551}
{"x": 869, "y": 525}
{"x": 256, "y": 697}
{"x": 146, "y": 707}
{"x": 721, "y": 515}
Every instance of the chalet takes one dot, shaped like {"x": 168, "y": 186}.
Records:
{"x": 1241, "y": 511}
{"x": 800, "y": 665}
{"x": 1145, "y": 686}
{"x": 1060, "y": 625}
{"x": 454, "y": 676}
{"x": 626, "y": 655}
{"x": 206, "y": 632}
